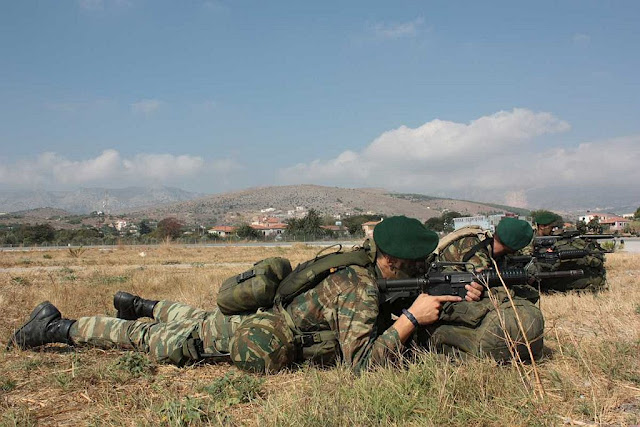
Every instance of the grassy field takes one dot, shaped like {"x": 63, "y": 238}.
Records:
{"x": 589, "y": 376}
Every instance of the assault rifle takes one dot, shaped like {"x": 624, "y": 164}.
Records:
{"x": 548, "y": 241}
{"x": 551, "y": 257}
{"x": 438, "y": 282}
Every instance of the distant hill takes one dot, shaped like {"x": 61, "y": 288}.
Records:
{"x": 579, "y": 200}
{"x": 240, "y": 206}
{"x": 41, "y": 213}
{"x": 86, "y": 200}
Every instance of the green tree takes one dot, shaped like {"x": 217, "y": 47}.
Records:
{"x": 311, "y": 223}
{"x": 558, "y": 218}
{"x": 637, "y": 214}
{"x": 447, "y": 220}
{"x": 37, "y": 234}
{"x": 307, "y": 227}
{"x": 144, "y": 227}
{"x": 354, "y": 223}
{"x": 245, "y": 231}
{"x": 435, "y": 223}
{"x": 443, "y": 222}
{"x": 594, "y": 225}
{"x": 581, "y": 226}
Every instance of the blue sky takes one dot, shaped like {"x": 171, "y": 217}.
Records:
{"x": 471, "y": 99}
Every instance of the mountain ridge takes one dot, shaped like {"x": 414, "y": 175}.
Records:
{"x": 244, "y": 205}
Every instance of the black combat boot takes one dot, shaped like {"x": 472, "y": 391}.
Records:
{"x": 45, "y": 325}
{"x": 132, "y": 307}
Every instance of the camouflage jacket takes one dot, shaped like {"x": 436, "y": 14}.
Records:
{"x": 347, "y": 303}
{"x": 482, "y": 259}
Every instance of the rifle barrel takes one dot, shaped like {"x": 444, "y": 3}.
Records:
{"x": 554, "y": 274}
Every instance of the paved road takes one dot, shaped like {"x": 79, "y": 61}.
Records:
{"x": 631, "y": 245}
{"x": 346, "y": 244}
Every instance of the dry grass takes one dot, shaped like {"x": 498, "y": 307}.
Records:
{"x": 591, "y": 373}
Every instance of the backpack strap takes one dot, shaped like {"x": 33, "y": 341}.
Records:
{"x": 480, "y": 245}
{"x": 308, "y": 274}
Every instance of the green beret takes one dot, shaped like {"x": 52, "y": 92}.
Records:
{"x": 545, "y": 218}
{"x": 514, "y": 233}
{"x": 405, "y": 238}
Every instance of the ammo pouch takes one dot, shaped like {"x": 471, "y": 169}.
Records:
{"x": 253, "y": 289}
{"x": 192, "y": 351}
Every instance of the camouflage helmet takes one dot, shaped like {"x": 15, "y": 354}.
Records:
{"x": 263, "y": 343}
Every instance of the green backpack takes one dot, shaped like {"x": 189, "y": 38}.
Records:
{"x": 253, "y": 289}
{"x": 271, "y": 281}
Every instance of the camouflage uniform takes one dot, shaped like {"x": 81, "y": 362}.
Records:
{"x": 594, "y": 278}
{"x": 475, "y": 328}
{"x": 345, "y": 302}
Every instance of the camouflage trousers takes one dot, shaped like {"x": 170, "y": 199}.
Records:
{"x": 173, "y": 330}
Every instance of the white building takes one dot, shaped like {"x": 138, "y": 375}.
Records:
{"x": 601, "y": 216}
{"x": 485, "y": 222}
{"x": 616, "y": 223}
{"x": 480, "y": 220}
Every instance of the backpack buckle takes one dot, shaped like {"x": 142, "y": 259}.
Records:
{"x": 307, "y": 340}
{"x": 246, "y": 275}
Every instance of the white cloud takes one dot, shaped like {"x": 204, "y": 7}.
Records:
{"x": 109, "y": 168}
{"x": 146, "y": 106}
{"x": 496, "y": 153}
{"x": 162, "y": 166}
{"x": 398, "y": 30}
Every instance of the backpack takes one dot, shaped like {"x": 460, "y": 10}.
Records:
{"x": 468, "y": 231}
{"x": 253, "y": 289}
{"x": 271, "y": 281}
